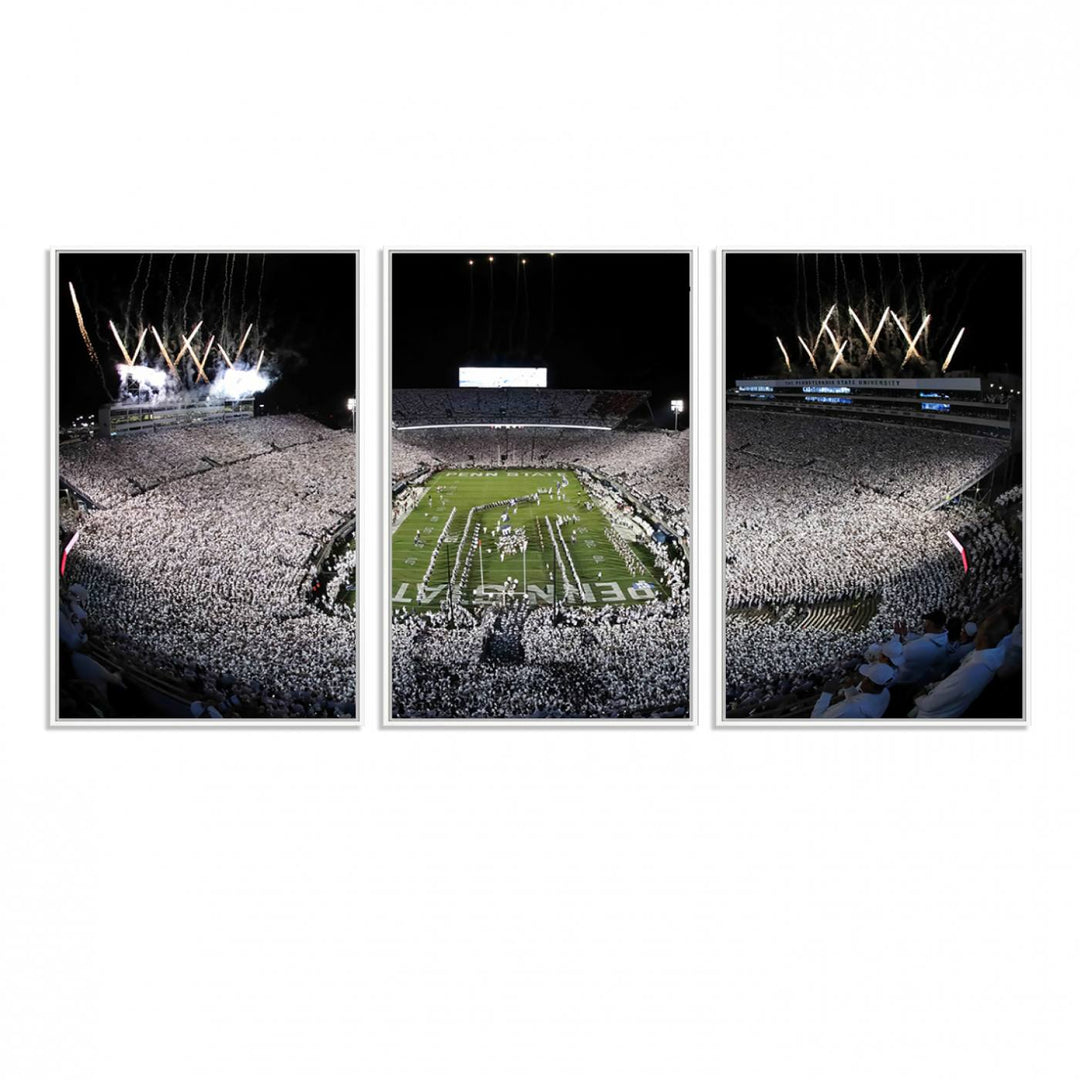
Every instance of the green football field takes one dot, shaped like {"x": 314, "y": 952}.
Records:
{"x": 602, "y": 570}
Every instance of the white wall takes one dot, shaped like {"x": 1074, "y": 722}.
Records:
{"x": 539, "y": 904}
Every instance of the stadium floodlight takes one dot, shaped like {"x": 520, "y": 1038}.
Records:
{"x": 351, "y": 404}
{"x": 677, "y": 407}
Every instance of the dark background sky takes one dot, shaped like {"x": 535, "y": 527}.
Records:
{"x": 770, "y": 295}
{"x": 305, "y": 315}
{"x": 611, "y": 321}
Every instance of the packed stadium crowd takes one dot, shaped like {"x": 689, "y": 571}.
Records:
{"x": 595, "y": 662}
{"x": 819, "y": 510}
{"x": 111, "y": 470}
{"x": 517, "y": 405}
{"x": 196, "y": 566}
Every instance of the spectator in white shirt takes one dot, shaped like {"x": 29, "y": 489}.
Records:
{"x": 960, "y": 649}
{"x": 953, "y": 696}
{"x": 925, "y": 655}
{"x": 870, "y": 702}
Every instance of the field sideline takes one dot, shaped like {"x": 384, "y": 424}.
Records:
{"x": 601, "y": 568}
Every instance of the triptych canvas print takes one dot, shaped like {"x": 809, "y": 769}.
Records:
{"x": 535, "y": 531}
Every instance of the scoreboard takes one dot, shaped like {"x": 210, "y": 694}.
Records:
{"x": 486, "y": 377}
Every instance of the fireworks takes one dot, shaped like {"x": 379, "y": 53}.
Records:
{"x": 243, "y": 342}
{"x": 787, "y": 359}
{"x": 164, "y": 351}
{"x": 948, "y": 359}
{"x": 189, "y": 358}
{"x": 837, "y": 357}
{"x": 123, "y": 350}
{"x": 809, "y": 352}
{"x": 82, "y": 325}
{"x": 185, "y": 346}
{"x": 824, "y": 326}
{"x": 871, "y": 342}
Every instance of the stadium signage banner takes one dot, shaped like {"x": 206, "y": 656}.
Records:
{"x": 751, "y": 385}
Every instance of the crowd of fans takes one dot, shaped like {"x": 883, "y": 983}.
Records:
{"x": 514, "y": 405}
{"x": 195, "y": 566}
{"x": 821, "y": 510}
{"x": 595, "y": 662}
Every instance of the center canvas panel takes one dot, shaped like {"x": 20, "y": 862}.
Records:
{"x": 539, "y": 562}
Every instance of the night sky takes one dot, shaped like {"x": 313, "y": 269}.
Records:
{"x": 771, "y": 295}
{"x": 304, "y": 311}
{"x": 611, "y": 321}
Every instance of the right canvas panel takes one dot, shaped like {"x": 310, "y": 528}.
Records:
{"x": 871, "y": 478}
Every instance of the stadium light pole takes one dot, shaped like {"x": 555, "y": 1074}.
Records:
{"x": 351, "y": 406}
{"x": 676, "y": 408}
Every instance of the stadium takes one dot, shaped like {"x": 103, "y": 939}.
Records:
{"x": 540, "y": 534}
{"x": 207, "y": 507}
{"x": 873, "y": 496}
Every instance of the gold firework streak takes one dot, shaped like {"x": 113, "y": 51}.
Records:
{"x": 115, "y": 334}
{"x": 778, "y": 342}
{"x": 912, "y": 351}
{"x": 243, "y": 342}
{"x": 185, "y": 345}
{"x": 836, "y": 358}
{"x": 259, "y": 364}
{"x": 809, "y": 352}
{"x": 82, "y": 326}
{"x": 948, "y": 359}
{"x": 871, "y": 342}
{"x": 138, "y": 347}
{"x": 824, "y": 324}
{"x": 225, "y": 354}
{"x": 205, "y": 357}
{"x": 164, "y": 351}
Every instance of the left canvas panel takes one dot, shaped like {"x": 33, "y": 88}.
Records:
{"x": 203, "y": 434}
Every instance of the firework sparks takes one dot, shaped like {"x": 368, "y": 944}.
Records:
{"x": 138, "y": 347}
{"x": 82, "y": 325}
{"x": 123, "y": 350}
{"x": 185, "y": 345}
{"x": 912, "y": 351}
{"x": 903, "y": 330}
{"x": 809, "y": 352}
{"x": 948, "y": 359}
{"x": 787, "y": 359}
{"x": 871, "y": 342}
{"x": 837, "y": 357}
{"x": 163, "y": 350}
{"x": 243, "y": 342}
{"x": 225, "y": 354}
{"x": 824, "y": 325}
{"x": 205, "y": 357}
